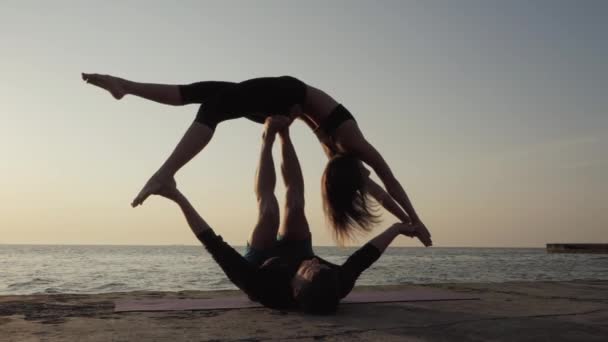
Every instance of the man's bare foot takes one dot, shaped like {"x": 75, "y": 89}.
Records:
{"x": 110, "y": 83}
{"x": 276, "y": 123}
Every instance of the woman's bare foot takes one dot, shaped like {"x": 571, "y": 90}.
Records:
{"x": 112, "y": 84}
{"x": 168, "y": 190}
{"x": 154, "y": 185}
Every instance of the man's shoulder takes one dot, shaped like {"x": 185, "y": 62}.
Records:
{"x": 328, "y": 263}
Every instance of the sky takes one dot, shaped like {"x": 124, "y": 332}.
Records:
{"x": 492, "y": 114}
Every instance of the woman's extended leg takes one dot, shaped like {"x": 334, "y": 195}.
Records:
{"x": 168, "y": 94}
{"x": 294, "y": 225}
{"x": 194, "y": 140}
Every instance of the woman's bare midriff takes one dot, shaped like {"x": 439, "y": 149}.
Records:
{"x": 318, "y": 104}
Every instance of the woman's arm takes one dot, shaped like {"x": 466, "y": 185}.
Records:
{"x": 326, "y": 144}
{"x": 350, "y": 138}
{"x": 386, "y": 201}
{"x": 375, "y": 190}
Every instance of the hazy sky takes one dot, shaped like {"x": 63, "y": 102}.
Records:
{"x": 492, "y": 114}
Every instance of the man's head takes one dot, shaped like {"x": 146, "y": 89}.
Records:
{"x": 315, "y": 287}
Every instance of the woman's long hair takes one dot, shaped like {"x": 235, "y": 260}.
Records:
{"x": 345, "y": 200}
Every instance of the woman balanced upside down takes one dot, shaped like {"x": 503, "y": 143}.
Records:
{"x": 346, "y": 183}
{"x": 279, "y": 268}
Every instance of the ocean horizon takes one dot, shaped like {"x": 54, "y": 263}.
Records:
{"x": 32, "y": 269}
{"x": 196, "y": 245}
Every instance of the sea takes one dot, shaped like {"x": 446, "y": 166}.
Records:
{"x": 45, "y": 269}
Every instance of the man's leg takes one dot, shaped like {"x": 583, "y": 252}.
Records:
{"x": 265, "y": 231}
{"x": 294, "y": 226}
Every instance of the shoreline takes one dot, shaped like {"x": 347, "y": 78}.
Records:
{"x": 523, "y": 311}
{"x": 230, "y": 290}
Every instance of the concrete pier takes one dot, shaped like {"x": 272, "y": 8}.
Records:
{"x": 521, "y": 311}
{"x": 600, "y": 248}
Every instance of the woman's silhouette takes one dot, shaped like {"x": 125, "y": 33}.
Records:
{"x": 345, "y": 181}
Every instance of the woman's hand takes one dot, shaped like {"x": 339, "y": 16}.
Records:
{"x": 417, "y": 230}
{"x": 423, "y": 234}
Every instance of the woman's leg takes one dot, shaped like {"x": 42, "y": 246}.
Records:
{"x": 265, "y": 231}
{"x": 294, "y": 225}
{"x": 193, "y": 141}
{"x": 168, "y": 94}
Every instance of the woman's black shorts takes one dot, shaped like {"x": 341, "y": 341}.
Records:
{"x": 255, "y": 99}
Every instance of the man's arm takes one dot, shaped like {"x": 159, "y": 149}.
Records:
{"x": 365, "y": 256}
{"x": 195, "y": 221}
{"x": 236, "y": 268}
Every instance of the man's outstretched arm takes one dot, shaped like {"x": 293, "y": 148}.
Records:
{"x": 236, "y": 268}
{"x": 365, "y": 256}
{"x": 197, "y": 224}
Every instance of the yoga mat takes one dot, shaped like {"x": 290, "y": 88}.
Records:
{"x": 240, "y": 302}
